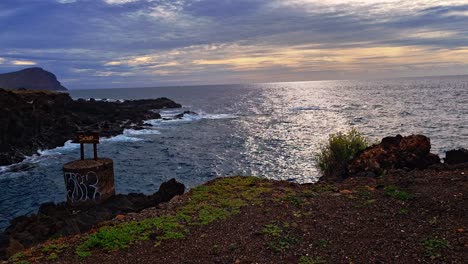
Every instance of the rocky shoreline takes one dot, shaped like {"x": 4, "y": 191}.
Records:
{"x": 397, "y": 184}
{"x": 59, "y": 220}
{"x": 416, "y": 216}
{"x": 33, "y": 120}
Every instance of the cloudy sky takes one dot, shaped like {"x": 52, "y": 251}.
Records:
{"x": 135, "y": 43}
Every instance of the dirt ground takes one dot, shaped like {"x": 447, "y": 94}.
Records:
{"x": 400, "y": 217}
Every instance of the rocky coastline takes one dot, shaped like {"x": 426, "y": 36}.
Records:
{"x": 396, "y": 198}
{"x": 33, "y": 120}
{"x": 58, "y": 220}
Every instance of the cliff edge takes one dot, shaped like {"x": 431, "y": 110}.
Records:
{"x": 31, "y": 79}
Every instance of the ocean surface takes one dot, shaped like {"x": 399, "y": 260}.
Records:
{"x": 268, "y": 130}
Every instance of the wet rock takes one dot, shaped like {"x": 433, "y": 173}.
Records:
{"x": 456, "y": 156}
{"x": 411, "y": 152}
{"x": 4, "y": 244}
{"x": 181, "y": 115}
{"x": 53, "y": 220}
{"x": 169, "y": 189}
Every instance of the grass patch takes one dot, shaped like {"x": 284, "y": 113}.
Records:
{"x": 334, "y": 156}
{"x": 278, "y": 239}
{"x": 394, "y": 192}
{"x": 121, "y": 236}
{"x": 19, "y": 258}
{"x": 53, "y": 250}
{"x": 433, "y": 247}
{"x": 217, "y": 200}
{"x": 272, "y": 230}
{"x": 311, "y": 260}
{"x": 294, "y": 200}
{"x": 281, "y": 244}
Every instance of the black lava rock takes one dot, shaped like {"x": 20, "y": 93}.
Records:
{"x": 456, "y": 156}
{"x": 54, "y": 220}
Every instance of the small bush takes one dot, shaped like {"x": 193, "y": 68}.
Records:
{"x": 335, "y": 155}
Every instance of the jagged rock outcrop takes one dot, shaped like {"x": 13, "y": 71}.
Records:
{"x": 44, "y": 120}
{"x": 55, "y": 220}
{"x": 456, "y": 156}
{"x": 412, "y": 152}
{"x": 31, "y": 79}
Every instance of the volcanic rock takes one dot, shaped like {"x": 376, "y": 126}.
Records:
{"x": 43, "y": 120}
{"x": 181, "y": 115}
{"x": 30, "y": 79}
{"x": 54, "y": 220}
{"x": 411, "y": 152}
{"x": 456, "y": 156}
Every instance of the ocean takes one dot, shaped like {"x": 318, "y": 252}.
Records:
{"x": 268, "y": 130}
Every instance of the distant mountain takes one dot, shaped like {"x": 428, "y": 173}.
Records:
{"x": 31, "y": 79}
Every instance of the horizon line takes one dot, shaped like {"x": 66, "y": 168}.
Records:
{"x": 253, "y": 83}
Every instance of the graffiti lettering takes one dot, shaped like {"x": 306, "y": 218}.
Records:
{"x": 81, "y": 188}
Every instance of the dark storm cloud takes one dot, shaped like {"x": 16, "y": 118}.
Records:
{"x": 154, "y": 42}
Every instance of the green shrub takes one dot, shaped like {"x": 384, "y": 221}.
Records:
{"x": 335, "y": 155}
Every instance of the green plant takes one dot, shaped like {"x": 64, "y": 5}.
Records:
{"x": 121, "y": 236}
{"x": 53, "y": 256}
{"x": 54, "y": 250}
{"x": 311, "y": 260}
{"x": 19, "y": 258}
{"x": 296, "y": 201}
{"x": 282, "y": 243}
{"x": 323, "y": 243}
{"x": 215, "y": 201}
{"x": 334, "y": 156}
{"x": 434, "y": 247}
{"x": 395, "y": 192}
{"x": 272, "y": 230}
{"x": 278, "y": 238}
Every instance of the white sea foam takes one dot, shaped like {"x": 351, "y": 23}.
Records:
{"x": 68, "y": 146}
{"x": 133, "y": 132}
{"x": 3, "y": 169}
{"x": 219, "y": 116}
{"x": 121, "y": 138}
{"x": 101, "y": 99}
{"x": 166, "y": 118}
{"x": 41, "y": 156}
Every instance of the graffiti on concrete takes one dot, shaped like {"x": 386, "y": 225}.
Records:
{"x": 82, "y": 188}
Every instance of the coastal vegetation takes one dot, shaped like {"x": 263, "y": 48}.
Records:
{"x": 208, "y": 203}
{"x": 336, "y": 153}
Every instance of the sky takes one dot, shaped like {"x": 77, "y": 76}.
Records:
{"x": 142, "y": 43}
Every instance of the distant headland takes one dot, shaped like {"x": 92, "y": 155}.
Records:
{"x": 31, "y": 79}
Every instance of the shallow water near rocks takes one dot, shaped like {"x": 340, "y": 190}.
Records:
{"x": 267, "y": 130}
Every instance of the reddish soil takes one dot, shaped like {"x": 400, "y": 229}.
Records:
{"x": 360, "y": 220}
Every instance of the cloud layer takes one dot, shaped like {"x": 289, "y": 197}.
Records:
{"x": 123, "y": 43}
